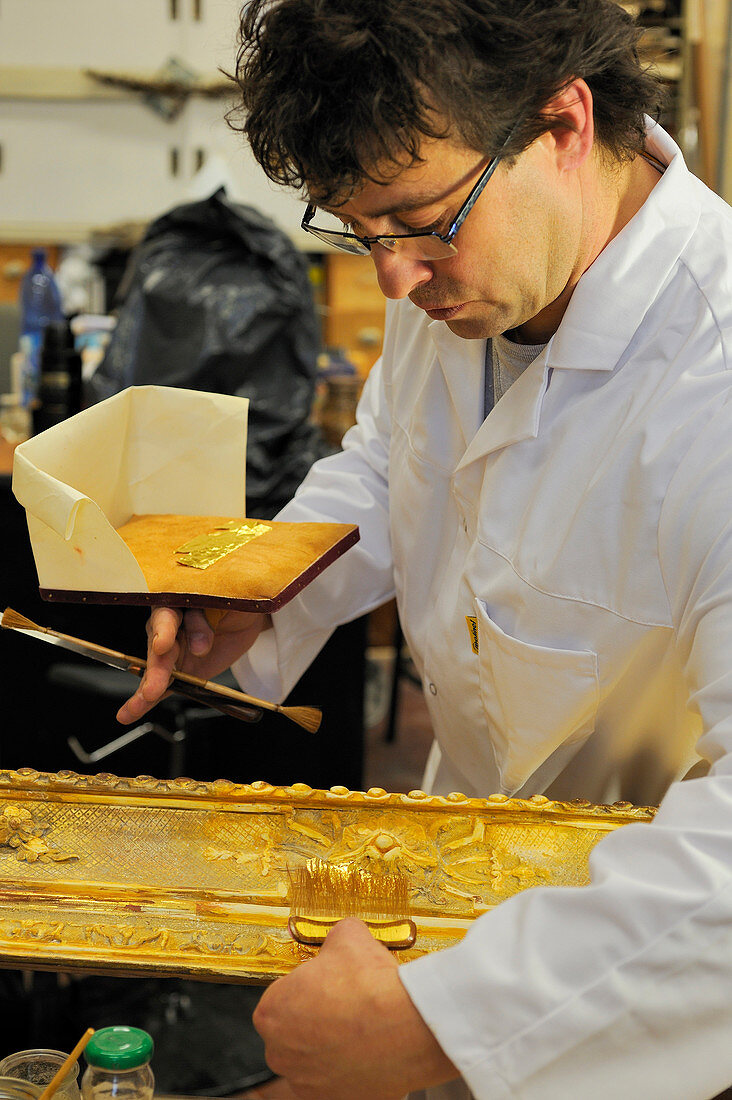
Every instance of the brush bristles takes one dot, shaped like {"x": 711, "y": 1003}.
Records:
{"x": 331, "y": 891}
{"x": 15, "y": 621}
{"x": 307, "y": 717}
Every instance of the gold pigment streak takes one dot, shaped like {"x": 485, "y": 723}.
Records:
{"x": 204, "y": 550}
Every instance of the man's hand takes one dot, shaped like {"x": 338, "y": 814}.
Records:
{"x": 189, "y": 644}
{"x": 342, "y": 1025}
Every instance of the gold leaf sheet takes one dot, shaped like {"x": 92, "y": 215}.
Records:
{"x": 205, "y": 550}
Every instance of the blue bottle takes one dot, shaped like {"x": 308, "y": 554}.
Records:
{"x": 40, "y": 302}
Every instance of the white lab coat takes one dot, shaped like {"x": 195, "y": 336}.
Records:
{"x": 586, "y": 525}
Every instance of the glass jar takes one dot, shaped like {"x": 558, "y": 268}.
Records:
{"x": 118, "y": 1065}
{"x": 15, "y": 419}
{"x": 338, "y": 410}
{"x": 11, "y": 1088}
{"x": 39, "y": 1067}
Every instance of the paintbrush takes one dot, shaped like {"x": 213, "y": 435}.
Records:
{"x": 66, "y": 1065}
{"x": 237, "y": 704}
{"x": 323, "y": 893}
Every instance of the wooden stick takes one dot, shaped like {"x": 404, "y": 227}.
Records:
{"x": 63, "y": 1069}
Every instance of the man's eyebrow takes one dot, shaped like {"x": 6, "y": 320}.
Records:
{"x": 417, "y": 202}
{"x": 408, "y": 205}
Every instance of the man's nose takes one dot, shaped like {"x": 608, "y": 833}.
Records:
{"x": 398, "y": 275}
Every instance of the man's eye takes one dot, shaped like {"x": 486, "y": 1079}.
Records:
{"x": 440, "y": 225}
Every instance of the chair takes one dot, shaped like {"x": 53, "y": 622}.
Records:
{"x": 174, "y": 716}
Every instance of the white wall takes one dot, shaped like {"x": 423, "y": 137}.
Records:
{"x": 77, "y": 164}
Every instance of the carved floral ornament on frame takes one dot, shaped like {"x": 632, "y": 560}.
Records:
{"x": 185, "y": 877}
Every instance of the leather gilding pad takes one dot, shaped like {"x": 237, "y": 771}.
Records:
{"x": 261, "y": 575}
{"x": 113, "y": 494}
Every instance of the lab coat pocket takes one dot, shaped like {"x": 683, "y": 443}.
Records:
{"x": 537, "y": 699}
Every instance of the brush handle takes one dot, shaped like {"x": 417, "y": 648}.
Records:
{"x": 204, "y": 695}
{"x": 63, "y": 1069}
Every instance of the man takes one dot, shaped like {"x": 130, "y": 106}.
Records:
{"x": 543, "y": 449}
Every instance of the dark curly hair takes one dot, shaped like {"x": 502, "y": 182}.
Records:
{"x": 332, "y": 88}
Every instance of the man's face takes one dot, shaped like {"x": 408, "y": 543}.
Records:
{"x": 516, "y": 251}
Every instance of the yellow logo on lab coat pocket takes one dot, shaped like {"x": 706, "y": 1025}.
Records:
{"x": 472, "y": 631}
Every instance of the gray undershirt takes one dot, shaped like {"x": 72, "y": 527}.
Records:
{"x": 505, "y": 360}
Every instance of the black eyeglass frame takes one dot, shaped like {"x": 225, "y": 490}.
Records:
{"x": 327, "y": 235}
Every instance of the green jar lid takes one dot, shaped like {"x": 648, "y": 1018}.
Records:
{"x": 119, "y": 1048}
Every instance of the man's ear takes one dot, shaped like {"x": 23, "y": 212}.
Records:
{"x": 573, "y": 134}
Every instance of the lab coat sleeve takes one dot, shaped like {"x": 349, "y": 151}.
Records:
{"x": 348, "y": 487}
{"x": 622, "y": 987}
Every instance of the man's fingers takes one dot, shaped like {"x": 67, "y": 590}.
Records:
{"x": 163, "y": 649}
{"x": 134, "y": 708}
{"x": 156, "y": 680}
{"x": 347, "y": 932}
{"x": 189, "y": 642}
{"x": 352, "y": 934}
{"x": 199, "y": 633}
{"x": 162, "y": 631}
{"x": 153, "y": 687}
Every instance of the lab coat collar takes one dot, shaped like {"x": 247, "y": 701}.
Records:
{"x": 607, "y": 306}
{"x": 617, "y": 290}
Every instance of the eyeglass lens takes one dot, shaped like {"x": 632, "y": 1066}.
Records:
{"x": 414, "y": 246}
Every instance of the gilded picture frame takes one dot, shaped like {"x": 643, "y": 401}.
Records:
{"x": 102, "y": 874}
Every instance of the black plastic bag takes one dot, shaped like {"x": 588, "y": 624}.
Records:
{"x": 217, "y": 298}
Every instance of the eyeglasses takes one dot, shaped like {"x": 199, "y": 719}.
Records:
{"x": 416, "y": 246}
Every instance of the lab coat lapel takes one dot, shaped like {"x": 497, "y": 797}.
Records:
{"x": 515, "y": 417}
{"x": 462, "y": 363}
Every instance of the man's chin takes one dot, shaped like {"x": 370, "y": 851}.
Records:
{"x": 477, "y": 328}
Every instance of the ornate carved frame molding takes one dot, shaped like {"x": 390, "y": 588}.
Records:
{"x": 103, "y": 874}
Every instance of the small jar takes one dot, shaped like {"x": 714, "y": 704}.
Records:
{"x": 15, "y": 419}
{"x": 11, "y": 1088}
{"x": 40, "y": 1066}
{"x": 338, "y": 410}
{"x": 118, "y": 1065}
